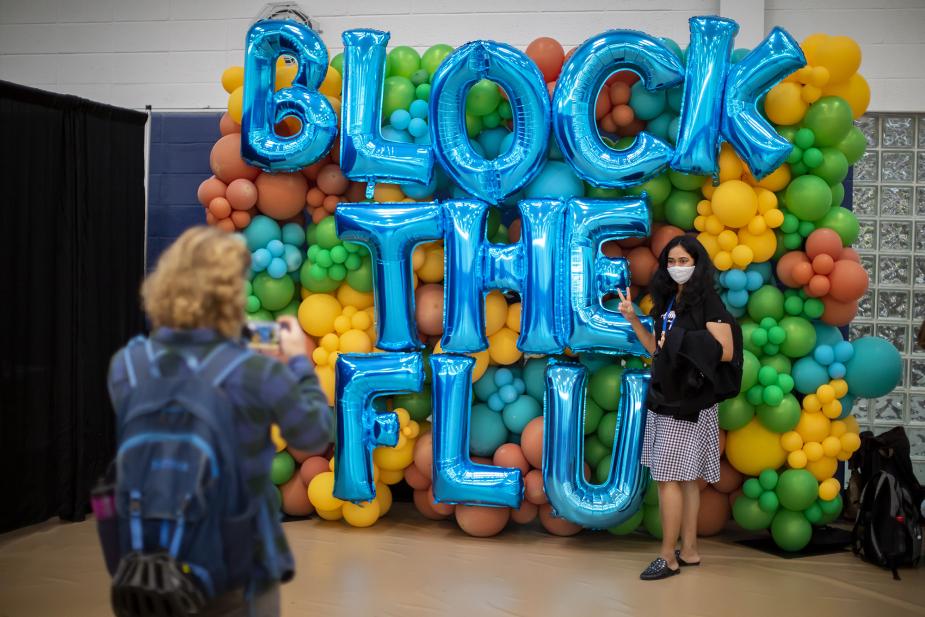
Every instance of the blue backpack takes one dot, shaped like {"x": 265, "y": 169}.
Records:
{"x": 186, "y": 529}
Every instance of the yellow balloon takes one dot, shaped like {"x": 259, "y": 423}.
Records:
{"x": 396, "y": 459}
{"x": 831, "y": 446}
{"x": 742, "y": 256}
{"x": 810, "y": 46}
{"x": 763, "y": 246}
{"x": 825, "y": 393}
{"x": 495, "y": 312}
{"x": 304, "y": 293}
{"x": 513, "y": 317}
{"x": 387, "y": 193}
{"x": 838, "y": 428}
{"x": 841, "y": 55}
{"x": 820, "y": 76}
{"x": 278, "y": 442}
{"x": 709, "y": 243}
{"x": 734, "y": 203}
{"x": 813, "y": 451}
{"x": 233, "y": 78}
{"x": 236, "y": 104}
{"x": 810, "y": 93}
{"x": 791, "y": 441}
{"x": 723, "y": 261}
{"x": 348, "y": 296}
{"x": 355, "y": 341}
{"x": 417, "y": 257}
{"x": 823, "y": 469}
{"x": 330, "y": 515}
{"x": 811, "y": 403}
{"x": 646, "y": 304}
{"x": 361, "y": 514}
{"x": 784, "y": 104}
{"x": 777, "y": 180}
{"x": 321, "y": 492}
{"x": 855, "y": 91}
{"x": 797, "y": 459}
{"x": 332, "y": 83}
{"x": 832, "y": 410}
{"x": 766, "y": 199}
{"x": 318, "y": 312}
{"x": 828, "y": 489}
{"x": 727, "y": 240}
{"x": 326, "y": 381}
{"x": 391, "y": 476}
{"x": 285, "y": 73}
{"x": 384, "y": 497}
{"x": 335, "y": 103}
{"x": 482, "y": 360}
{"x": 502, "y": 347}
{"x": 708, "y": 188}
{"x": 850, "y": 442}
{"x": 757, "y": 225}
{"x": 714, "y": 226}
{"x": 432, "y": 270}
{"x": 730, "y": 166}
{"x": 840, "y": 386}
{"x": 704, "y": 207}
{"x": 774, "y": 218}
{"x": 813, "y": 427}
{"x": 852, "y": 423}
{"x": 754, "y": 448}
{"x": 361, "y": 321}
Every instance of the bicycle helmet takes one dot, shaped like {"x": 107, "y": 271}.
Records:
{"x": 155, "y": 585}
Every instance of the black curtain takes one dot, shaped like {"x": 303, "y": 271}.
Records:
{"x": 72, "y": 245}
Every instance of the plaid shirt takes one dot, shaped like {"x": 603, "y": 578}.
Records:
{"x": 262, "y": 391}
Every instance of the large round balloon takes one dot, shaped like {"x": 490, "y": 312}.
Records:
{"x": 754, "y": 448}
{"x": 875, "y": 369}
{"x": 790, "y": 530}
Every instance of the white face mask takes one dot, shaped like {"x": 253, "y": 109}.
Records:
{"x": 681, "y": 274}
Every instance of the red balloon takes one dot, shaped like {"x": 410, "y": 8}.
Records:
{"x": 281, "y": 196}
{"x": 241, "y": 218}
{"x": 225, "y": 225}
{"x": 332, "y": 180}
{"x": 311, "y": 172}
{"x": 548, "y": 55}
{"x": 557, "y": 526}
{"x": 315, "y": 197}
{"x": 330, "y": 203}
{"x": 849, "y": 280}
{"x": 242, "y": 194}
{"x": 444, "y": 509}
{"x": 226, "y": 162}
{"x": 510, "y": 455}
{"x": 428, "y": 308}
{"x": 210, "y": 189}
{"x": 714, "y": 512}
{"x": 481, "y": 521}
{"x": 850, "y": 254}
{"x": 627, "y": 77}
{"x": 607, "y": 124}
{"x": 531, "y": 442}
{"x": 632, "y": 129}
{"x": 533, "y": 487}
{"x": 643, "y": 265}
{"x": 730, "y": 478}
{"x": 823, "y": 241}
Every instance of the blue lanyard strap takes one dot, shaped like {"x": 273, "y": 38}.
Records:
{"x": 668, "y": 322}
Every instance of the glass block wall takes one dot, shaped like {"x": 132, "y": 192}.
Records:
{"x": 889, "y": 201}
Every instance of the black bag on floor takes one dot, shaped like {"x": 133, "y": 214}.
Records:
{"x": 887, "y": 531}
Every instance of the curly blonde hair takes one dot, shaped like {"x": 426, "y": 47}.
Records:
{"x": 199, "y": 283}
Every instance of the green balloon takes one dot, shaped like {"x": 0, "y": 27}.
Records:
{"x": 752, "y": 488}
{"x": 651, "y": 496}
{"x": 593, "y": 415}
{"x": 797, "y": 489}
{"x": 629, "y": 525}
{"x": 602, "y": 469}
{"x": 596, "y": 192}
{"x": 652, "y": 521}
{"x": 405, "y": 61}
{"x": 681, "y": 208}
{"x": 750, "y": 367}
{"x": 326, "y": 233}
{"x": 685, "y": 182}
{"x": 398, "y": 93}
{"x": 419, "y": 78}
{"x": 734, "y": 413}
{"x": 658, "y": 189}
{"x": 838, "y": 195}
{"x": 604, "y": 387}
{"x": 812, "y": 158}
{"x": 768, "y": 502}
{"x": 315, "y": 284}
{"x": 274, "y": 294}
{"x": 768, "y": 479}
{"x": 473, "y": 125}
{"x": 417, "y": 403}
{"x": 772, "y": 396}
{"x": 813, "y": 514}
{"x": 749, "y": 515}
{"x": 768, "y": 301}
{"x": 779, "y": 363}
{"x": 282, "y": 468}
{"x": 831, "y": 510}
{"x": 505, "y": 111}
{"x": 491, "y": 121}
{"x": 338, "y": 63}
{"x": 830, "y": 118}
{"x": 607, "y": 429}
{"x": 790, "y": 530}
{"x": 594, "y": 450}
{"x": 252, "y": 304}
{"x": 782, "y": 417}
{"x": 833, "y": 167}
{"x": 422, "y": 92}
{"x": 809, "y": 197}
{"x": 853, "y": 145}
{"x": 291, "y": 309}
{"x": 801, "y": 337}
{"x": 361, "y": 279}
{"x": 260, "y": 315}
{"x": 843, "y": 222}
{"x": 483, "y": 98}
{"x": 434, "y": 56}
{"x": 804, "y": 138}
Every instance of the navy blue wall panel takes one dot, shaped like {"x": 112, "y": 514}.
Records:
{"x": 179, "y": 162}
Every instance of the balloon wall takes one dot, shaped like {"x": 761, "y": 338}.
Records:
{"x": 780, "y": 239}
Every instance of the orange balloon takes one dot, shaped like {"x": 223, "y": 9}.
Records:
{"x": 627, "y": 77}
{"x": 730, "y": 478}
{"x": 557, "y": 526}
{"x": 315, "y": 197}
{"x": 548, "y": 55}
{"x": 210, "y": 189}
{"x": 428, "y": 308}
{"x": 619, "y": 93}
{"x": 426, "y": 507}
{"x": 622, "y": 115}
{"x": 220, "y": 208}
{"x": 850, "y": 254}
{"x": 311, "y": 172}
{"x": 482, "y": 521}
{"x": 607, "y": 124}
{"x": 818, "y": 286}
{"x": 242, "y": 194}
{"x": 295, "y": 497}
{"x": 424, "y": 455}
{"x": 643, "y": 265}
{"x": 823, "y": 264}
{"x": 662, "y": 236}
{"x": 632, "y": 129}
{"x": 225, "y": 225}
{"x": 241, "y": 218}
{"x": 318, "y": 214}
{"x": 849, "y": 280}
{"x": 785, "y": 266}
{"x": 311, "y": 467}
{"x": 823, "y": 240}
{"x": 330, "y": 203}
{"x": 510, "y": 455}
{"x": 837, "y": 313}
{"x": 332, "y": 180}
{"x": 714, "y": 512}
{"x": 531, "y": 442}
{"x": 416, "y": 479}
{"x": 514, "y": 230}
{"x": 226, "y": 162}
{"x": 227, "y": 126}
{"x": 603, "y": 105}
{"x": 612, "y": 249}
{"x": 526, "y": 514}
{"x": 534, "y": 491}
{"x": 444, "y": 509}
{"x": 281, "y": 195}
{"x": 802, "y": 272}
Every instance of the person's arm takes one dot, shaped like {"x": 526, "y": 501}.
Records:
{"x": 628, "y": 311}
{"x": 722, "y": 332}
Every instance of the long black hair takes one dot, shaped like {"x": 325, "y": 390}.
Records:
{"x": 663, "y": 288}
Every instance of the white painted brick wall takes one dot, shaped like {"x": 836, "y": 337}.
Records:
{"x": 170, "y": 53}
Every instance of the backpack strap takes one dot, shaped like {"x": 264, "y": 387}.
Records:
{"x": 221, "y": 362}
{"x": 142, "y": 360}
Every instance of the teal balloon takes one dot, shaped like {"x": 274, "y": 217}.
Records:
{"x": 876, "y": 368}
{"x": 797, "y": 489}
{"x": 659, "y": 126}
{"x": 675, "y": 98}
{"x": 534, "y": 377}
{"x": 518, "y": 414}
{"x": 647, "y": 105}
{"x": 629, "y": 525}
{"x": 555, "y": 181}
{"x": 262, "y": 230}
{"x": 808, "y": 375}
{"x": 748, "y": 514}
{"x": 485, "y": 386}
{"x": 486, "y": 431}
{"x": 790, "y": 530}
{"x": 734, "y": 413}
{"x": 491, "y": 141}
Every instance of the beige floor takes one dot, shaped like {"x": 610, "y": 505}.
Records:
{"x": 408, "y": 566}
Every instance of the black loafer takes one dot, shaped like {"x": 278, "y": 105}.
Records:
{"x": 684, "y": 564}
{"x": 658, "y": 570}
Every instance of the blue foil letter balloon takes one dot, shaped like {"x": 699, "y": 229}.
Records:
{"x": 391, "y": 231}
{"x": 571, "y": 496}
{"x": 575, "y": 99}
{"x": 489, "y": 180}
{"x": 743, "y": 126}
{"x": 708, "y": 60}
{"x": 589, "y": 222}
{"x": 365, "y": 155}
{"x": 456, "y": 478}
{"x": 358, "y": 379}
{"x": 264, "y": 108}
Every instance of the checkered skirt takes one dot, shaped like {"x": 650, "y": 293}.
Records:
{"x": 679, "y": 451}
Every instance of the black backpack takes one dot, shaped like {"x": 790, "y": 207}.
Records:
{"x": 887, "y": 531}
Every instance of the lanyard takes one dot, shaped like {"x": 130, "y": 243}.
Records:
{"x": 668, "y": 322}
